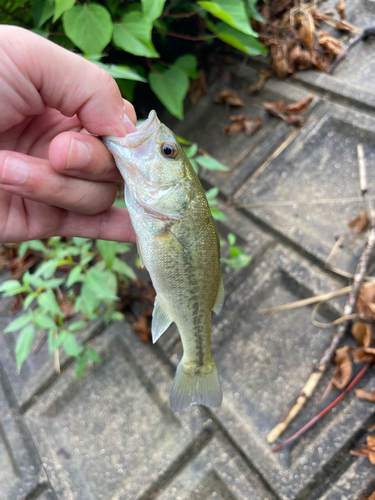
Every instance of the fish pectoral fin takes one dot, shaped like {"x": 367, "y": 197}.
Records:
{"x": 140, "y": 253}
{"x": 219, "y": 298}
{"x": 160, "y": 320}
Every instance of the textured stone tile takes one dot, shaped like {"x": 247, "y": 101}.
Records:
{"x": 356, "y": 482}
{"x": 21, "y": 472}
{"x": 351, "y": 79}
{"x": 216, "y": 472}
{"x": 302, "y": 193}
{"x": 38, "y": 369}
{"x": 111, "y": 434}
{"x": 242, "y": 154}
{"x": 264, "y": 360}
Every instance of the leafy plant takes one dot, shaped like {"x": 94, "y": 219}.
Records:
{"x": 123, "y": 37}
{"x": 76, "y": 280}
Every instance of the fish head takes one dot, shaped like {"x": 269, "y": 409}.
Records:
{"x": 150, "y": 155}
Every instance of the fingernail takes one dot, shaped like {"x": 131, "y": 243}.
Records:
{"x": 15, "y": 171}
{"x": 79, "y": 154}
{"x": 129, "y": 125}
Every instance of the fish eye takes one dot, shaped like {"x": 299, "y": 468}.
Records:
{"x": 169, "y": 150}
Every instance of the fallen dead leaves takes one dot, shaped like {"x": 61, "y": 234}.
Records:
{"x": 293, "y": 34}
{"x": 230, "y": 97}
{"x": 291, "y": 113}
{"x": 242, "y": 123}
{"x": 366, "y": 451}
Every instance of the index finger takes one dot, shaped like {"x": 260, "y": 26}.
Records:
{"x": 43, "y": 73}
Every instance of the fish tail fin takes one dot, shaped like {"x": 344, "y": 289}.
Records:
{"x": 195, "y": 385}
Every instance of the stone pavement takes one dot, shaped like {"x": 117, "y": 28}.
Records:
{"x": 111, "y": 434}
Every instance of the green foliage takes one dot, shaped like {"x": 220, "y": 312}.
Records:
{"x": 238, "y": 257}
{"x": 90, "y": 281}
{"x": 121, "y": 36}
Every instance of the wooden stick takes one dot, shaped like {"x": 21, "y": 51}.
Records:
{"x": 328, "y": 354}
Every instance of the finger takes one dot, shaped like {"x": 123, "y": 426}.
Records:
{"x": 35, "y": 179}
{"x": 113, "y": 224}
{"x": 84, "y": 156}
{"x": 37, "y": 72}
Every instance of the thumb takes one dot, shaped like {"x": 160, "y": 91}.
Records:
{"x": 56, "y": 77}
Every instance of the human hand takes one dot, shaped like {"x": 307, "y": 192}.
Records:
{"x": 55, "y": 178}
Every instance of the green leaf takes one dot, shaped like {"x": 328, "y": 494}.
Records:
{"x": 253, "y": 11}
{"x": 107, "y": 250}
{"x": 134, "y": 35}
{"x": 71, "y": 345}
{"x": 47, "y": 269}
{"x": 188, "y": 64}
{"x": 28, "y": 299}
{"x": 42, "y": 321}
{"x": 38, "y": 246}
{"x": 23, "y": 345}
{"x": 47, "y": 301}
{"x": 79, "y": 241}
{"x": 19, "y": 323}
{"x": 232, "y": 12}
{"x": 124, "y": 247}
{"x": 170, "y": 87}
{"x": 153, "y": 8}
{"x": 127, "y": 89}
{"x": 89, "y": 27}
{"x": 93, "y": 355}
{"x": 181, "y": 140}
{"x": 81, "y": 365}
{"x": 53, "y": 283}
{"x": 77, "y": 325}
{"x": 194, "y": 165}
{"x": 212, "y": 193}
{"x": 241, "y": 260}
{"x": 192, "y": 151}
{"x": 11, "y": 287}
{"x": 55, "y": 341}
{"x": 217, "y": 214}
{"x": 41, "y": 11}
{"x": 99, "y": 285}
{"x": 210, "y": 163}
{"x": 245, "y": 43}
{"x": 120, "y": 202}
{"x": 117, "y": 316}
{"x": 22, "y": 249}
{"x": 62, "y": 6}
{"x": 231, "y": 239}
{"x": 119, "y": 71}
{"x": 119, "y": 266}
{"x": 75, "y": 276}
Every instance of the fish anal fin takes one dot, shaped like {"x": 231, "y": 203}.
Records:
{"x": 219, "y": 298}
{"x": 160, "y": 320}
{"x": 200, "y": 386}
{"x": 140, "y": 253}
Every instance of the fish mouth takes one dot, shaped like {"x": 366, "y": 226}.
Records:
{"x": 144, "y": 131}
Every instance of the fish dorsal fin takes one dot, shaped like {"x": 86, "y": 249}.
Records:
{"x": 140, "y": 253}
{"x": 219, "y": 298}
{"x": 160, "y": 320}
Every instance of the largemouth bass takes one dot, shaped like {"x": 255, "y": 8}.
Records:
{"x": 178, "y": 244}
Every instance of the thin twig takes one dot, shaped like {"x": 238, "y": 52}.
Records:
{"x": 328, "y": 354}
{"x": 325, "y": 411}
{"x": 185, "y": 37}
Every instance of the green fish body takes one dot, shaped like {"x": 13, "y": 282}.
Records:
{"x": 179, "y": 245}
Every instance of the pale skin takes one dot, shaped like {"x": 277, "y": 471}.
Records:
{"x": 56, "y": 177}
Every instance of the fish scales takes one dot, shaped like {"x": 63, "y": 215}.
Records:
{"x": 178, "y": 244}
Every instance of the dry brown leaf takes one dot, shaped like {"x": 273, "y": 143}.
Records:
{"x": 229, "y": 96}
{"x": 365, "y": 394}
{"x": 362, "y": 333}
{"x": 257, "y": 87}
{"x": 198, "y": 87}
{"x": 299, "y": 107}
{"x": 370, "y": 441}
{"x": 369, "y": 452}
{"x": 141, "y": 326}
{"x": 364, "y": 355}
{"x": 341, "y": 9}
{"x": 242, "y": 122}
{"x": 371, "y": 457}
{"x": 329, "y": 44}
{"x": 344, "y": 370}
{"x": 300, "y": 59}
{"x": 360, "y": 223}
{"x": 67, "y": 307}
{"x": 366, "y": 303}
